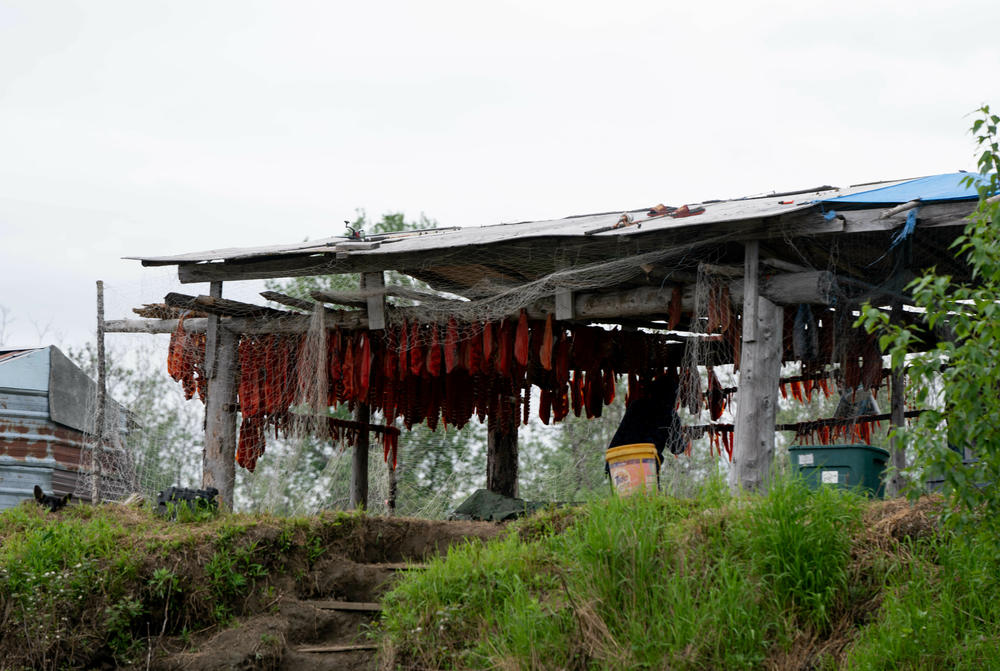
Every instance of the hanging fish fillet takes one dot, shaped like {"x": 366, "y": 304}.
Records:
{"x": 489, "y": 345}
{"x": 716, "y": 399}
{"x": 416, "y": 351}
{"x": 546, "y": 351}
{"x": 403, "y": 354}
{"x": 451, "y": 346}
{"x": 363, "y": 365}
{"x": 522, "y": 339}
{"x": 434, "y": 352}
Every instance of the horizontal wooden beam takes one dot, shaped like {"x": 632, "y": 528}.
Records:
{"x": 360, "y": 297}
{"x": 814, "y": 287}
{"x": 317, "y": 264}
{"x": 223, "y": 307}
{"x": 193, "y": 324}
{"x": 934, "y": 215}
{"x": 290, "y": 301}
{"x": 345, "y": 319}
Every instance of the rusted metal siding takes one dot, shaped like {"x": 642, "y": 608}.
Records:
{"x": 33, "y": 438}
{"x": 35, "y": 450}
{"x": 46, "y": 426}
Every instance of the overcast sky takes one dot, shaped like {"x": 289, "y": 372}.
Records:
{"x": 147, "y": 128}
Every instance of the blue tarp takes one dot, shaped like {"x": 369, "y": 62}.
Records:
{"x": 933, "y": 189}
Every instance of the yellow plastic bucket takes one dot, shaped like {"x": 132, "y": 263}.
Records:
{"x": 632, "y": 468}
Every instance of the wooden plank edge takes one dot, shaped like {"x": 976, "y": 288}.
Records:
{"x": 337, "y": 648}
{"x": 360, "y": 606}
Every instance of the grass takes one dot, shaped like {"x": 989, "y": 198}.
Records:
{"x": 794, "y": 579}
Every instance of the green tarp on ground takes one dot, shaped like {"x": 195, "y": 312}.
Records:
{"x": 491, "y": 507}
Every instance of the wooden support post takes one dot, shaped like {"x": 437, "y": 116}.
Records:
{"x": 897, "y": 399}
{"x": 212, "y": 332}
{"x": 565, "y": 305}
{"x": 391, "y": 501}
{"x": 751, "y": 289}
{"x": 102, "y": 395}
{"x": 362, "y": 414}
{"x": 375, "y": 303}
{"x": 359, "y": 461}
{"x": 221, "y": 361}
{"x": 760, "y": 372}
{"x": 501, "y": 461}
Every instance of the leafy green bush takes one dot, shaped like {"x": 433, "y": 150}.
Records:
{"x": 957, "y": 382}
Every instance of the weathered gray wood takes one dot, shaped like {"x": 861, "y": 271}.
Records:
{"x": 751, "y": 289}
{"x": 359, "y": 461}
{"x": 377, "y": 289}
{"x": 212, "y": 332}
{"x": 933, "y": 215}
{"x": 565, "y": 305}
{"x": 896, "y": 482}
{"x": 352, "y": 647}
{"x": 897, "y": 400}
{"x": 784, "y": 265}
{"x": 501, "y": 462}
{"x": 290, "y": 301}
{"x": 390, "y": 503}
{"x": 757, "y": 400}
{"x": 509, "y": 247}
{"x": 905, "y": 207}
{"x": 193, "y": 325}
{"x": 346, "y": 319}
{"x": 221, "y": 306}
{"x": 374, "y": 282}
{"x": 357, "y": 606}
{"x": 102, "y": 394}
{"x": 219, "y": 455}
{"x": 815, "y": 287}
{"x": 354, "y": 299}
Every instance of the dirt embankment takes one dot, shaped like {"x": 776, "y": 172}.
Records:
{"x": 117, "y": 587}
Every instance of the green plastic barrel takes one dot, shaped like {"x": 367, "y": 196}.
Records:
{"x": 847, "y": 466}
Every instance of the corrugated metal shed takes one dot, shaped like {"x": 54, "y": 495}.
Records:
{"x": 46, "y": 414}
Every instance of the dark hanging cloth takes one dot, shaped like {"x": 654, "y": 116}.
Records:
{"x": 652, "y": 418}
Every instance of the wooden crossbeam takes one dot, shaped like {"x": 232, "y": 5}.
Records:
{"x": 223, "y": 307}
{"x": 354, "y": 606}
{"x": 337, "y": 648}
{"x": 290, "y": 301}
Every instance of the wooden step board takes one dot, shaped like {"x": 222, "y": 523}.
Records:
{"x": 400, "y": 566}
{"x": 337, "y": 648}
{"x": 364, "y": 606}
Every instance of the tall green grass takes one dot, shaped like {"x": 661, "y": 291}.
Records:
{"x": 941, "y": 611}
{"x": 644, "y": 582}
